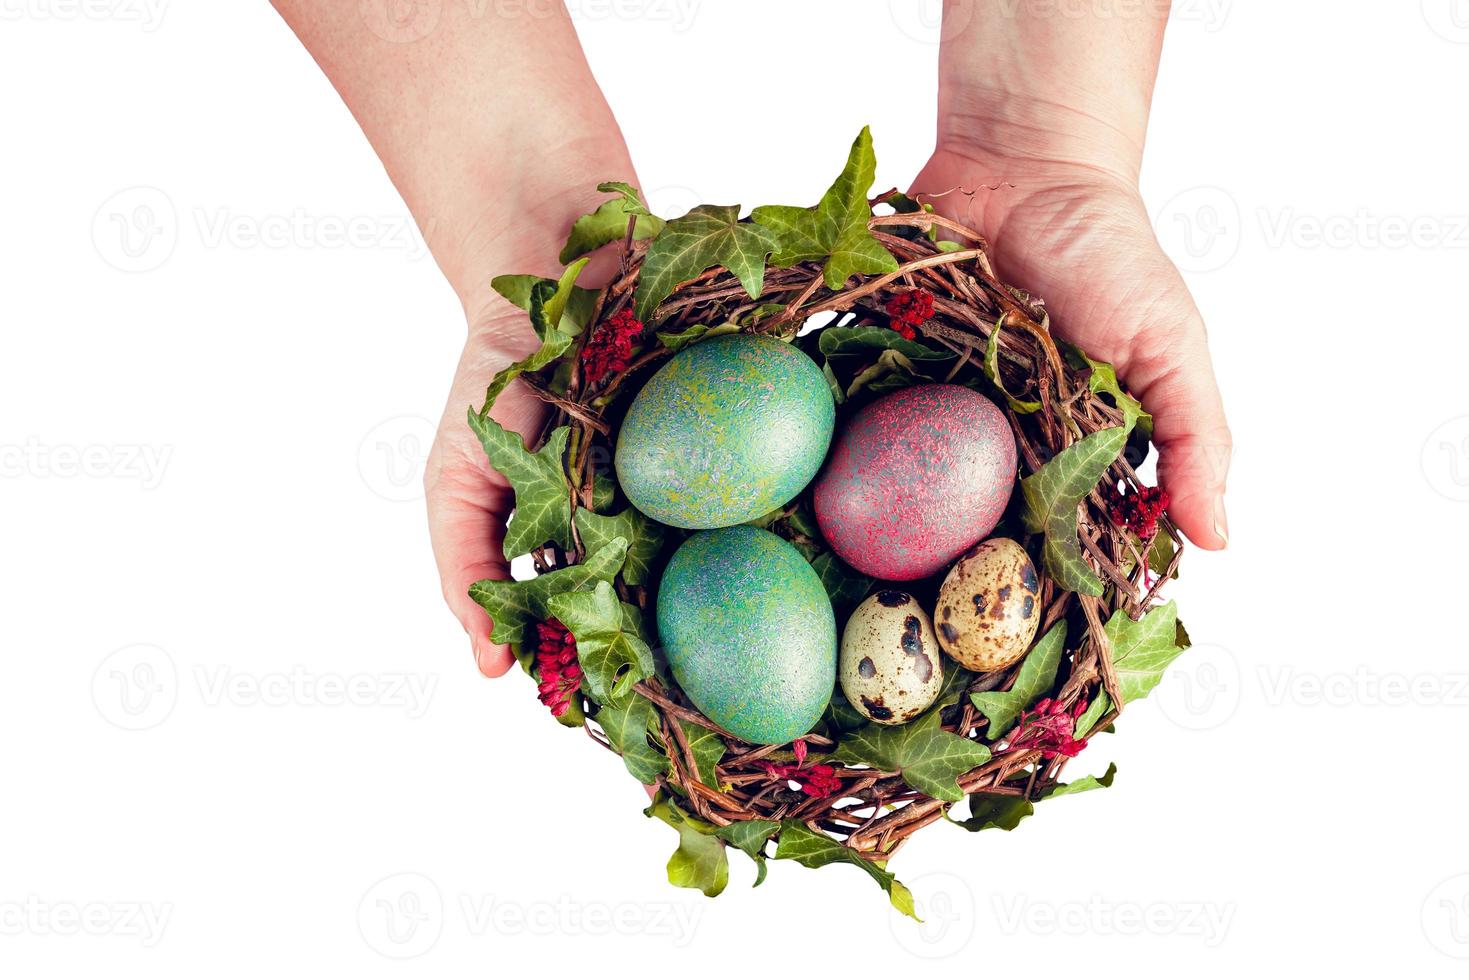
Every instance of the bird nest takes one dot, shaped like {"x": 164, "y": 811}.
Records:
{"x": 1075, "y": 509}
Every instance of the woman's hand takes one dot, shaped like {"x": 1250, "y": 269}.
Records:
{"x": 495, "y": 132}
{"x": 1079, "y": 237}
{"x": 1042, "y": 117}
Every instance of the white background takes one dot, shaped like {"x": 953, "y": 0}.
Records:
{"x": 242, "y": 736}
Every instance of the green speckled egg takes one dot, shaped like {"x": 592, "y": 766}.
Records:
{"x": 726, "y": 431}
{"x": 749, "y": 633}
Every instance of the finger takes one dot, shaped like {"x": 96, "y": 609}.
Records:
{"x": 1173, "y": 375}
{"x": 466, "y": 529}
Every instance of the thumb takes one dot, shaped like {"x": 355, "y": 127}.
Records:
{"x": 1170, "y": 370}
{"x": 466, "y": 519}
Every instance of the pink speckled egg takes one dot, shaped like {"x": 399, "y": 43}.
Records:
{"x": 916, "y": 479}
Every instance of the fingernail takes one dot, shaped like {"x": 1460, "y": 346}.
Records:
{"x": 1221, "y": 522}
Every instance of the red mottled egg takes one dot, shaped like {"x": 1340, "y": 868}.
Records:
{"x": 916, "y": 479}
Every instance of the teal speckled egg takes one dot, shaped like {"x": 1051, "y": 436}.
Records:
{"x": 749, "y": 633}
{"x": 726, "y": 431}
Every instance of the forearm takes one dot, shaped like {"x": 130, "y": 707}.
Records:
{"x": 1050, "y": 80}
{"x": 489, "y": 125}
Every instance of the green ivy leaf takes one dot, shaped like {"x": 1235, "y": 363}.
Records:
{"x": 708, "y": 750}
{"x": 988, "y": 810}
{"x": 1006, "y": 812}
{"x": 517, "y": 607}
{"x": 805, "y": 846}
{"x": 956, "y": 682}
{"x": 845, "y": 586}
{"x": 1143, "y": 649}
{"x": 609, "y": 222}
{"x": 613, "y": 657}
{"x": 750, "y": 836}
{"x": 1037, "y": 674}
{"x": 1052, "y": 495}
{"x": 1103, "y": 379}
{"x": 1084, "y": 784}
{"x": 992, "y": 371}
{"x": 579, "y": 301}
{"x": 1100, "y": 705}
{"x": 930, "y": 759}
{"x": 835, "y": 231}
{"x": 892, "y": 370}
{"x": 644, "y": 538}
{"x": 542, "y": 495}
{"x": 700, "y": 861}
{"x": 677, "y": 340}
{"x": 628, "y": 724}
{"x": 709, "y": 235}
{"x": 839, "y": 341}
{"x": 558, "y": 313}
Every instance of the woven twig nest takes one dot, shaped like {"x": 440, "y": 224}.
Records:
{"x": 1099, "y": 576}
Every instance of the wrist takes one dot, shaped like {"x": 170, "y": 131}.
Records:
{"x": 1005, "y": 135}
{"x": 520, "y": 220}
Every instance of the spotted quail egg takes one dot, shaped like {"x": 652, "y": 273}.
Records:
{"x": 989, "y": 606}
{"x": 890, "y": 666}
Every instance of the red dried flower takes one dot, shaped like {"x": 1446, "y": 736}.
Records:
{"x": 910, "y": 310}
{"x": 610, "y": 346}
{"x": 819, "y": 781}
{"x": 556, "y": 666}
{"x": 1138, "y": 509}
{"x": 1050, "y": 727}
